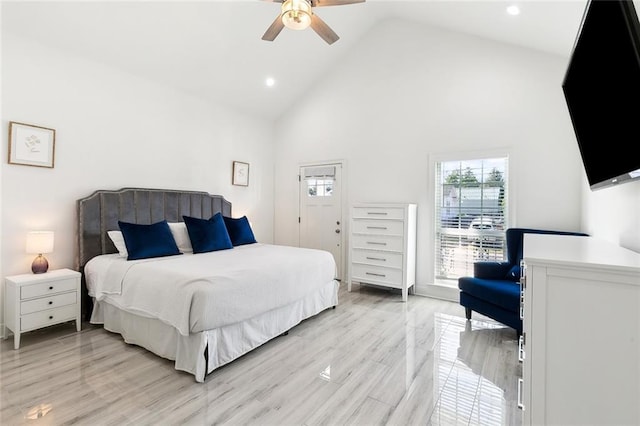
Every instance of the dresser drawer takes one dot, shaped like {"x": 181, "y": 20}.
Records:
{"x": 379, "y": 258}
{"x": 376, "y": 275}
{"x": 51, "y": 287}
{"x": 377, "y": 242}
{"x": 378, "y": 227}
{"x": 378, "y": 213}
{"x": 48, "y": 317}
{"x": 44, "y": 303}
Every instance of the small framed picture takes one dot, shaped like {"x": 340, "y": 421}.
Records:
{"x": 31, "y": 145}
{"x": 240, "y": 173}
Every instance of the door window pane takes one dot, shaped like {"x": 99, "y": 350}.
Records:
{"x": 319, "y": 187}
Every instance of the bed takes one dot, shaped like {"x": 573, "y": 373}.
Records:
{"x": 200, "y": 310}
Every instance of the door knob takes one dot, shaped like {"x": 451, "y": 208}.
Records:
{"x": 337, "y": 231}
{"x": 337, "y": 222}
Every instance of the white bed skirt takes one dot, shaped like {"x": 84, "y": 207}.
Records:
{"x": 223, "y": 344}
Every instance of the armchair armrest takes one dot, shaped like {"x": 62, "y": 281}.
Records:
{"x": 491, "y": 270}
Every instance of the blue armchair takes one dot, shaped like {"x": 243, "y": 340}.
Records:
{"x": 494, "y": 289}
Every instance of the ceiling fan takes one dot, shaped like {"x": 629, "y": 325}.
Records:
{"x": 298, "y": 15}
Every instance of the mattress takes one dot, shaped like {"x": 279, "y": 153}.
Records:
{"x": 225, "y": 302}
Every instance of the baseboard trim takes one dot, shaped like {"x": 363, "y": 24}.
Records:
{"x": 439, "y": 292}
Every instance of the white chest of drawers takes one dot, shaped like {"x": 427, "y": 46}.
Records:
{"x": 383, "y": 245}
{"x": 581, "y": 341}
{"x": 34, "y": 301}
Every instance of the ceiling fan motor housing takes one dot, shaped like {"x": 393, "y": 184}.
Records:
{"x": 296, "y": 14}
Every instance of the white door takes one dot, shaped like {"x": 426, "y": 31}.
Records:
{"x": 321, "y": 210}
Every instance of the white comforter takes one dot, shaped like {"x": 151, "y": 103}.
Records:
{"x": 196, "y": 292}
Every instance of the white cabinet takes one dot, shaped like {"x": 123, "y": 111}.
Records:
{"x": 33, "y": 301}
{"x": 383, "y": 245}
{"x": 581, "y": 336}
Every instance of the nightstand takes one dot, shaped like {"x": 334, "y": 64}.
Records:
{"x": 34, "y": 301}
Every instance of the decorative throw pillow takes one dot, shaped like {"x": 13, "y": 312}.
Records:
{"x": 514, "y": 273}
{"x": 207, "y": 234}
{"x": 118, "y": 240}
{"x": 180, "y": 234}
{"x": 146, "y": 241}
{"x": 239, "y": 230}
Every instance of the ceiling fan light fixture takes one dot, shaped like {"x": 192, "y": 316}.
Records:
{"x": 296, "y": 14}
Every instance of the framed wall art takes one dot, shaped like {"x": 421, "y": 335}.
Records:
{"x": 31, "y": 145}
{"x": 240, "y": 173}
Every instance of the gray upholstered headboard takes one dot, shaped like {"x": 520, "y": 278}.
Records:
{"x": 101, "y": 211}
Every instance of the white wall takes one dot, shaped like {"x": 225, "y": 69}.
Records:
{"x": 613, "y": 214}
{"x": 408, "y": 92}
{"x": 115, "y": 130}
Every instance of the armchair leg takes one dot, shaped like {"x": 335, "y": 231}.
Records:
{"x": 467, "y": 312}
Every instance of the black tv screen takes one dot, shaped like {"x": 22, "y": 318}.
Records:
{"x": 602, "y": 90}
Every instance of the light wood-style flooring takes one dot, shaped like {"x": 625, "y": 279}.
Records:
{"x": 371, "y": 361}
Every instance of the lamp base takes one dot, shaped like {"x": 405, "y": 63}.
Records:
{"x": 39, "y": 265}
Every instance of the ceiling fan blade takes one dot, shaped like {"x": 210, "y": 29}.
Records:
{"x": 273, "y": 30}
{"x": 320, "y": 3}
{"x": 323, "y": 30}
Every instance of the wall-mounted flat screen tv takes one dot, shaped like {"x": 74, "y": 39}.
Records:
{"x": 602, "y": 90}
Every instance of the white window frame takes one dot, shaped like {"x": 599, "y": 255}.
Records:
{"x": 444, "y": 290}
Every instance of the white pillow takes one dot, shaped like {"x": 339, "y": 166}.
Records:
{"x": 118, "y": 241}
{"x": 181, "y": 235}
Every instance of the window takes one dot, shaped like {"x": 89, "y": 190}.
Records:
{"x": 319, "y": 187}
{"x": 320, "y": 180}
{"x": 471, "y": 206}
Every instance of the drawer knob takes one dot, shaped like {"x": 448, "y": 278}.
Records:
{"x": 50, "y": 316}
{"x": 51, "y": 302}
{"x": 50, "y": 287}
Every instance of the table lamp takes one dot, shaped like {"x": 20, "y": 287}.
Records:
{"x": 39, "y": 242}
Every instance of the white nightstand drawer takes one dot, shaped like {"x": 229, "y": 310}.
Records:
{"x": 377, "y": 242}
{"x": 378, "y": 227}
{"x": 50, "y": 302}
{"x": 379, "y": 258}
{"x": 378, "y": 213}
{"x": 33, "y": 301}
{"x": 51, "y": 287}
{"x": 48, "y": 317}
{"x": 377, "y": 274}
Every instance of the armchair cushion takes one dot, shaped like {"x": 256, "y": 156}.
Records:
{"x": 502, "y": 293}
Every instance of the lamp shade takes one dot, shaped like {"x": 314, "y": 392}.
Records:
{"x": 39, "y": 242}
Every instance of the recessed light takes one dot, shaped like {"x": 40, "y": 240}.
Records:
{"x": 270, "y": 82}
{"x": 513, "y": 10}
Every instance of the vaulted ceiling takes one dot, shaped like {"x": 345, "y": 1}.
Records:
{"x": 214, "y": 48}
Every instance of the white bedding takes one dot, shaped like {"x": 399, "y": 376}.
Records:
{"x": 198, "y": 292}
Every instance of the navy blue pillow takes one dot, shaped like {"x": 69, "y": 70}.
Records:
{"x": 514, "y": 273}
{"x": 239, "y": 230}
{"x": 207, "y": 234}
{"x": 146, "y": 241}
